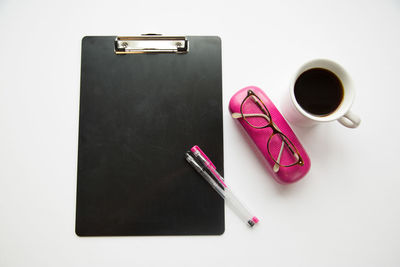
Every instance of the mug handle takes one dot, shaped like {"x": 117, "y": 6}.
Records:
{"x": 350, "y": 120}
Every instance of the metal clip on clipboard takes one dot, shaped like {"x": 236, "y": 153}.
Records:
{"x": 151, "y": 43}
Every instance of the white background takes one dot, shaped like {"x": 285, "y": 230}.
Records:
{"x": 345, "y": 212}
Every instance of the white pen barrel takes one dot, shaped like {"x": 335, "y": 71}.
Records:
{"x": 237, "y": 206}
{"x": 224, "y": 192}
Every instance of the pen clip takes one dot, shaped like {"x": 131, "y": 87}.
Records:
{"x": 199, "y": 154}
{"x": 201, "y": 168}
{"x": 195, "y": 149}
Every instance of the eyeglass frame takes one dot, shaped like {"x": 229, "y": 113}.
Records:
{"x": 272, "y": 125}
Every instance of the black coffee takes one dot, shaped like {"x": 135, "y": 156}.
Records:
{"x": 318, "y": 91}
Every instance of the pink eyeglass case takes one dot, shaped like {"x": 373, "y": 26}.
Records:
{"x": 285, "y": 175}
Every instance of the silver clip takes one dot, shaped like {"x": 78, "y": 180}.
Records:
{"x": 151, "y": 43}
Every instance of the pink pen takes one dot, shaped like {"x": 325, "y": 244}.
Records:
{"x": 232, "y": 201}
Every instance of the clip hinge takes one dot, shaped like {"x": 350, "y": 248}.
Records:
{"x": 151, "y": 44}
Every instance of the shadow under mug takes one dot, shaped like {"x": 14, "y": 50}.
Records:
{"x": 297, "y": 115}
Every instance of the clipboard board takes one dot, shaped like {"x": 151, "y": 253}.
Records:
{"x": 144, "y": 101}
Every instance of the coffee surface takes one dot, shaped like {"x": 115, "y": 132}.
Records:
{"x": 318, "y": 91}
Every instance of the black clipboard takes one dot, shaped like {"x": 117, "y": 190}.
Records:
{"x": 144, "y": 102}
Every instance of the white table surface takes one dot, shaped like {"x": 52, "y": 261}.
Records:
{"x": 345, "y": 212}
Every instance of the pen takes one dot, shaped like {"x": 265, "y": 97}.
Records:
{"x": 201, "y": 163}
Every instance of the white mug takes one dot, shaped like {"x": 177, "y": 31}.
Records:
{"x": 297, "y": 115}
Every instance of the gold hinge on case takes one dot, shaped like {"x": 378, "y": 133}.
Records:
{"x": 151, "y": 43}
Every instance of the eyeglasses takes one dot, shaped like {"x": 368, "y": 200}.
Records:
{"x": 254, "y": 112}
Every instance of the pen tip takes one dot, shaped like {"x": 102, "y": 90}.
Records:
{"x": 253, "y": 221}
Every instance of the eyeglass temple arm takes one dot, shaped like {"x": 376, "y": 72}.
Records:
{"x": 255, "y": 99}
{"x": 237, "y": 115}
{"x": 278, "y": 161}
